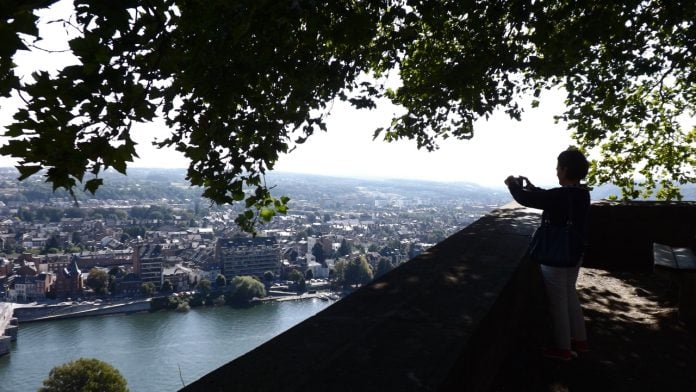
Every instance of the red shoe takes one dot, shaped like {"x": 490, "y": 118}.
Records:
{"x": 579, "y": 346}
{"x": 558, "y": 354}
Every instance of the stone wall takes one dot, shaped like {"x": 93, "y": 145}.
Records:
{"x": 5, "y": 342}
{"x": 8, "y": 327}
{"x": 57, "y": 312}
{"x": 29, "y": 313}
{"x": 621, "y": 233}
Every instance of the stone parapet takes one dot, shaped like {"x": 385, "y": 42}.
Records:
{"x": 5, "y": 345}
{"x": 6, "y": 317}
{"x": 12, "y": 331}
{"x": 621, "y": 234}
{"x": 8, "y": 326}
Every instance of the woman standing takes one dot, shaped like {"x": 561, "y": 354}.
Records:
{"x": 567, "y": 204}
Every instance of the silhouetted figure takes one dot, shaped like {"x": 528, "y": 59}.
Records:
{"x": 565, "y": 205}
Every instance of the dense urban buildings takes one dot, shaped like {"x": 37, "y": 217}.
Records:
{"x": 150, "y": 227}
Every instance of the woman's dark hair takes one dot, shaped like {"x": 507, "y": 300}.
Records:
{"x": 575, "y": 163}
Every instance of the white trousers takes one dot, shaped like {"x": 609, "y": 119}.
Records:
{"x": 566, "y": 313}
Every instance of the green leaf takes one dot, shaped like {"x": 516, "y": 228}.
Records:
{"x": 92, "y": 185}
{"x": 238, "y": 195}
{"x": 267, "y": 214}
{"x": 26, "y": 171}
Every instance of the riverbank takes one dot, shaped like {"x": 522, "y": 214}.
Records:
{"x": 72, "y": 309}
{"x": 324, "y": 296}
{"x": 63, "y": 310}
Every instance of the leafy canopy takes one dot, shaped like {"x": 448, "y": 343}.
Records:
{"x": 244, "y": 289}
{"x": 148, "y": 289}
{"x": 241, "y": 82}
{"x": 84, "y": 374}
{"x": 98, "y": 280}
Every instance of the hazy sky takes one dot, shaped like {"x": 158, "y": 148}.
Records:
{"x": 500, "y": 146}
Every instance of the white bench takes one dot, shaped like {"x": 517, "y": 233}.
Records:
{"x": 680, "y": 265}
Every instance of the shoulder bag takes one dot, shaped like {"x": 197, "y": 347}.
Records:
{"x": 555, "y": 245}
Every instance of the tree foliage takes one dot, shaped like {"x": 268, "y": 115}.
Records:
{"x": 384, "y": 265}
{"x": 318, "y": 253}
{"x": 239, "y": 83}
{"x": 344, "y": 249}
{"x": 245, "y": 288}
{"x": 86, "y": 375}
{"x": 220, "y": 280}
{"x": 351, "y": 272}
{"x": 98, "y": 280}
{"x": 295, "y": 275}
{"x": 148, "y": 289}
{"x": 167, "y": 286}
{"x": 204, "y": 286}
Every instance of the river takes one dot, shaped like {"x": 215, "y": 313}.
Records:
{"x": 153, "y": 351}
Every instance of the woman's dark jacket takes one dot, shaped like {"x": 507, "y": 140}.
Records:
{"x": 559, "y": 205}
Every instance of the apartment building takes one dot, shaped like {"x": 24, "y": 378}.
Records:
{"x": 248, "y": 256}
{"x": 148, "y": 263}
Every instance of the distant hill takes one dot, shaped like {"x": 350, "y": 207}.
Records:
{"x": 299, "y": 186}
{"x": 171, "y": 184}
{"x": 139, "y": 184}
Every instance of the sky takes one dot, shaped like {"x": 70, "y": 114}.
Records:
{"x": 500, "y": 146}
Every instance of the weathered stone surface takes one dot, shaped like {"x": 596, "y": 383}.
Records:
{"x": 7, "y": 326}
{"x": 621, "y": 234}
{"x": 5, "y": 342}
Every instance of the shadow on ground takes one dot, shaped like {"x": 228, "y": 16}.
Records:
{"x": 637, "y": 342}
